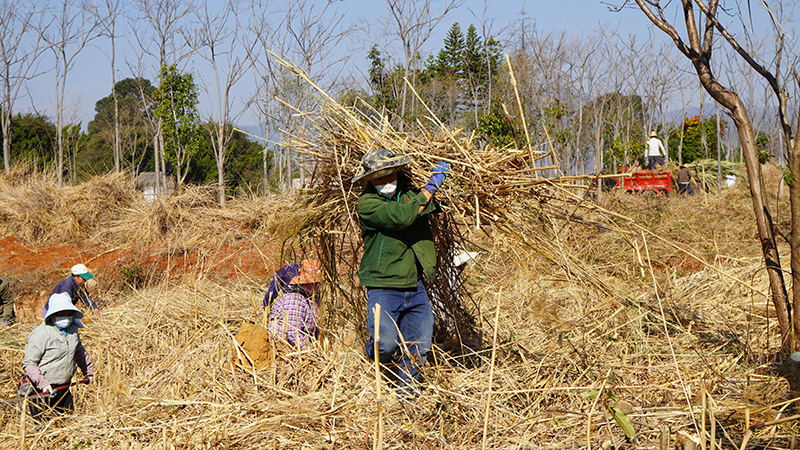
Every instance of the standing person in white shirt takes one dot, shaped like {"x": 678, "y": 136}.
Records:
{"x": 655, "y": 151}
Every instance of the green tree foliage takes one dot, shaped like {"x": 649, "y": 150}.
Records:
{"x": 381, "y": 82}
{"x": 134, "y": 96}
{"x": 498, "y": 129}
{"x": 450, "y": 61}
{"x": 481, "y": 61}
{"x": 762, "y": 140}
{"x": 693, "y": 129}
{"x": 75, "y": 145}
{"x": 559, "y": 115}
{"x": 461, "y": 74}
{"x": 243, "y": 162}
{"x": 32, "y": 139}
{"x": 613, "y": 123}
{"x": 357, "y": 99}
{"x": 176, "y": 107}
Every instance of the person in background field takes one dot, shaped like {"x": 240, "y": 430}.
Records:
{"x": 281, "y": 280}
{"x": 655, "y": 151}
{"x": 74, "y": 286}
{"x": 6, "y": 304}
{"x": 294, "y": 315}
{"x": 684, "y": 181}
{"x": 53, "y": 354}
{"x": 399, "y": 259}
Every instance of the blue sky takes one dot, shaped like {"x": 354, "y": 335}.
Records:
{"x": 90, "y": 80}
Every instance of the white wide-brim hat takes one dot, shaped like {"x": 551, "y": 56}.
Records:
{"x": 62, "y": 302}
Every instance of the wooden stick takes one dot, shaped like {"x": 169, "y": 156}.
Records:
{"x": 713, "y": 433}
{"x": 491, "y": 368}
{"x": 777, "y": 422}
{"x": 378, "y": 443}
{"x": 477, "y": 214}
{"x": 704, "y": 405}
{"x": 22, "y": 424}
{"x": 746, "y": 439}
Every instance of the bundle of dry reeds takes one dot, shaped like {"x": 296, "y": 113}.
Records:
{"x": 485, "y": 186}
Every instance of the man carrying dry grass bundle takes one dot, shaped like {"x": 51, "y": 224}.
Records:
{"x": 294, "y": 314}
{"x": 399, "y": 258}
{"x": 74, "y": 285}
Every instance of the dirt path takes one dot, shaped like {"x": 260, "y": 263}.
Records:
{"x": 33, "y": 271}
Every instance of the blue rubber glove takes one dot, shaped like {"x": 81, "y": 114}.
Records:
{"x": 437, "y": 177}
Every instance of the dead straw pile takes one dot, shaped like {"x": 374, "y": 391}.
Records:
{"x": 626, "y": 313}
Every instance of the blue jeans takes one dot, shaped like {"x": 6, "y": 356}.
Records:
{"x": 406, "y": 313}
{"x": 652, "y": 160}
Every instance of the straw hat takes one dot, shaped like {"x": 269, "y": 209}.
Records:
{"x": 62, "y": 302}
{"x": 653, "y": 134}
{"x": 310, "y": 272}
{"x": 378, "y": 163}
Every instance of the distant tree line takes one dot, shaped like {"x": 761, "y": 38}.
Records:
{"x": 33, "y": 139}
{"x": 591, "y": 99}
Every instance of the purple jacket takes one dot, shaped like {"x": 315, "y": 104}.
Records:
{"x": 70, "y": 286}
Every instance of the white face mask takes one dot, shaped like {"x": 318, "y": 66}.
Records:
{"x": 388, "y": 189}
{"x": 62, "y": 322}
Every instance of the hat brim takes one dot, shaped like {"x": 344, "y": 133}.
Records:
{"x": 60, "y": 305}
{"x": 306, "y": 278}
{"x": 86, "y": 276}
{"x": 310, "y": 271}
{"x": 366, "y": 176}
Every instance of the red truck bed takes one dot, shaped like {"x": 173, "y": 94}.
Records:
{"x": 659, "y": 182}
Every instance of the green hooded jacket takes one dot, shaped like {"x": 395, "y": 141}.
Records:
{"x": 398, "y": 241}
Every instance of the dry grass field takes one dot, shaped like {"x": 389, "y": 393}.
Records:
{"x": 648, "y": 312}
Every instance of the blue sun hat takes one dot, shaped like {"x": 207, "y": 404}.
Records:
{"x": 62, "y": 302}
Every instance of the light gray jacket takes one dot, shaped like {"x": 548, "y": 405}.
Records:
{"x": 52, "y": 358}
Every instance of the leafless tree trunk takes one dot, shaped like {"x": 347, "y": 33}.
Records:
{"x": 698, "y": 49}
{"x": 108, "y": 17}
{"x": 306, "y": 36}
{"x": 20, "y": 49}
{"x": 218, "y": 42}
{"x": 164, "y": 19}
{"x": 414, "y": 21}
{"x": 71, "y": 29}
{"x": 719, "y": 153}
{"x": 256, "y": 39}
{"x": 313, "y": 34}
